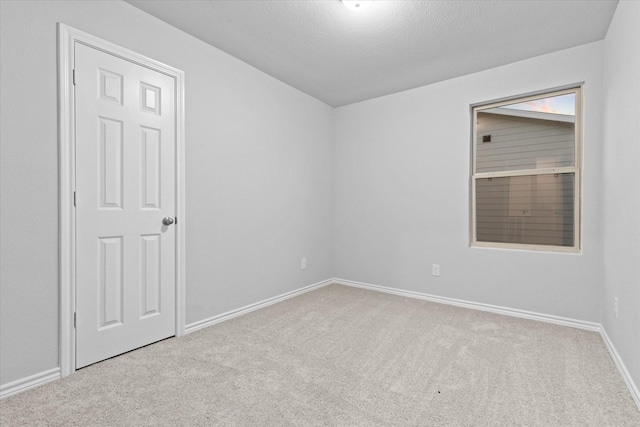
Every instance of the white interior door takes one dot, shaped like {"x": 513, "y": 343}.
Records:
{"x": 125, "y": 187}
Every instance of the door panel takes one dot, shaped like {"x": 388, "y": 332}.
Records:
{"x": 110, "y": 273}
{"x": 125, "y": 186}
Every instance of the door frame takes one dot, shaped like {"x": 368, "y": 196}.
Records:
{"x": 67, "y": 37}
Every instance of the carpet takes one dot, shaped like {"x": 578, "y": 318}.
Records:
{"x": 342, "y": 356}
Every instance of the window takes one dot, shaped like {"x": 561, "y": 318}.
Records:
{"x": 525, "y": 185}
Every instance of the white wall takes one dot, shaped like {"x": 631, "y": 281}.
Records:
{"x": 401, "y": 199}
{"x": 621, "y": 193}
{"x": 259, "y": 179}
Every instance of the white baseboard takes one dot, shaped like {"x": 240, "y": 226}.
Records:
{"x": 633, "y": 389}
{"x": 564, "y": 321}
{"x": 24, "y": 384}
{"x": 192, "y": 327}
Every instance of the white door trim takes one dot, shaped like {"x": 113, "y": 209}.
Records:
{"x": 67, "y": 36}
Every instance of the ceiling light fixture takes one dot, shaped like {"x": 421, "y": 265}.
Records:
{"x": 356, "y": 4}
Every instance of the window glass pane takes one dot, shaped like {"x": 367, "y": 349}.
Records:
{"x": 561, "y": 104}
{"x": 536, "y": 134}
{"x": 530, "y": 209}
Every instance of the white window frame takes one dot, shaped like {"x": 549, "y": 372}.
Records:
{"x": 576, "y": 170}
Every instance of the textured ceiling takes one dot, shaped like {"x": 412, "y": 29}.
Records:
{"x": 340, "y": 56}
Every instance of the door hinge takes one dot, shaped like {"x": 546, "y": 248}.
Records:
{"x": 176, "y": 220}
{"x": 75, "y": 319}
{"x": 74, "y": 77}
{"x": 74, "y": 198}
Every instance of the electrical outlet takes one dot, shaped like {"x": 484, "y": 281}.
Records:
{"x": 303, "y": 264}
{"x": 615, "y": 306}
{"x": 435, "y": 270}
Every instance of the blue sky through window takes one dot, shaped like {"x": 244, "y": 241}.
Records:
{"x": 561, "y": 104}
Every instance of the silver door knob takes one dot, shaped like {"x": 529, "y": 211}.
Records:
{"x": 167, "y": 221}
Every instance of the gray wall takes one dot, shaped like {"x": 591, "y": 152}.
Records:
{"x": 258, "y": 174}
{"x": 401, "y": 199}
{"x": 621, "y": 198}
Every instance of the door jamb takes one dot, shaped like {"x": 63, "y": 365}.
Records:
{"x": 67, "y": 37}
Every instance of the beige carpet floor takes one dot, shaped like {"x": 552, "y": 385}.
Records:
{"x": 341, "y": 356}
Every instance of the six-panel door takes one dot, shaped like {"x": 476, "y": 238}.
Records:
{"x": 125, "y": 186}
